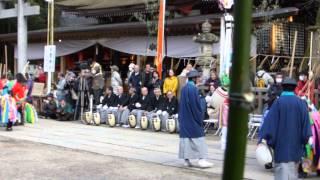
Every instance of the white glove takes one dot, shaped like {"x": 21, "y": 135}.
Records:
{"x": 99, "y": 106}
{"x": 138, "y": 105}
{"x": 105, "y": 107}
{"x": 101, "y": 99}
{"x": 310, "y": 141}
{"x": 159, "y": 112}
{"x": 164, "y": 113}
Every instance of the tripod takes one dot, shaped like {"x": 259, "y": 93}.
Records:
{"x": 83, "y": 95}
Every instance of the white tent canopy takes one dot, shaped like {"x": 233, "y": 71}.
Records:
{"x": 178, "y": 46}
{"x": 36, "y": 50}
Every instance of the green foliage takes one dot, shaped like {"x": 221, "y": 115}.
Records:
{"x": 38, "y": 22}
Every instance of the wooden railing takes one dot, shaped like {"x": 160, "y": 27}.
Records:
{"x": 260, "y": 93}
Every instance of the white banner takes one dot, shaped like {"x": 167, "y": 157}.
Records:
{"x": 49, "y": 58}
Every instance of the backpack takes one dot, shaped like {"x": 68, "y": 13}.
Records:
{"x": 260, "y": 82}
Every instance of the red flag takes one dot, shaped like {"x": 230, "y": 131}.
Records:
{"x": 160, "y": 40}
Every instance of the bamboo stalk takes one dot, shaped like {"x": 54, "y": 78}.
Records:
{"x": 263, "y": 62}
{"x": 234, "y": 162}
{"x": 293, "y": 53}
{"x": 177, "y": 65}
{"x": 301, "y": 65}
{"x": 275, "y": 63}
{"x": 52, "y": 24}
{"x": 48, "y": 23}
{"x": 311, "y": 46}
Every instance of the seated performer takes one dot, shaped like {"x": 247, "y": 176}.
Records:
{"x": 123, "y": 101}
{"x": 50, "y": 107}
{"x": 170, "y": 107}
{"x": 144, "y": 105}
{"x": 110, "y": 101}
{"x": 133, "y": 99}
{"x": 64, "y": 112}
{"x": 157, "y": 106}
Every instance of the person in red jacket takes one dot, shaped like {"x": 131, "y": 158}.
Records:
{"x": 19, "y": 93}
{"x": 301, "y": 87}
{"x": 42, "y": 76}
{"x": 305, "y": 86}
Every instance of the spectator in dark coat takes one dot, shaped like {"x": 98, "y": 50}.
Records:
{"x": 135, "y": 79}
{"x": 146, "y": 78}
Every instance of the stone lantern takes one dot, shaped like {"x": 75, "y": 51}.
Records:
{"x": 206, "y": 40}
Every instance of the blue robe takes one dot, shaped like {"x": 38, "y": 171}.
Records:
{"x": 287, "y": 128}
{"x": 190, "y": 112}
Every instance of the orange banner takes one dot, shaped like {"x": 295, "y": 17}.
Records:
{"x": 160, "y": 40}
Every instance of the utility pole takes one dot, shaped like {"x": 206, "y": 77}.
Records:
{"x": 241, "y": 96}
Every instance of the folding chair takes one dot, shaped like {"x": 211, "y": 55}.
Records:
{"x": 208, "y": 122}
{"x": 254, "y": 124}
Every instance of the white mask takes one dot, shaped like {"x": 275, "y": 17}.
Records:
{"x": 301, "y": 78}
{"x": 278, "y": 80}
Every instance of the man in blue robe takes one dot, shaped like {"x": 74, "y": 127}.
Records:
{"x": 192, "y": 142}
{"x": 286, "y": 130}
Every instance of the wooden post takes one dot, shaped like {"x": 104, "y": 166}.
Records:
{"x": 293, "y": 53}
{"x": 6, "y": 60}
{"x": 1, "y": 69}
{"x": 63, "y": 64}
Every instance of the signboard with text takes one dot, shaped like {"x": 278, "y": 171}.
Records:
{"x": 49, "y": 58}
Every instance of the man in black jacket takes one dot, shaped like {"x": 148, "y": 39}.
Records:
{"x": 123, "y": 102}
{"x": 144, "y": 105}
{"x": 110, "y": 102}
{"x": 170, "y": 108}
{"x": 133, "y": 98}
{"x": 158, "y": 106}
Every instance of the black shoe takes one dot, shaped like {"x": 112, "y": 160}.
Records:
{"x": 9, "y": 129}
{"x": 268, "y": 166}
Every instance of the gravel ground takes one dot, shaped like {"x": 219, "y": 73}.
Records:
{"x": 27, "y": 160}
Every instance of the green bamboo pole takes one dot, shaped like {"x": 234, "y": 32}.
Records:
{"x": 238, "y": 112}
